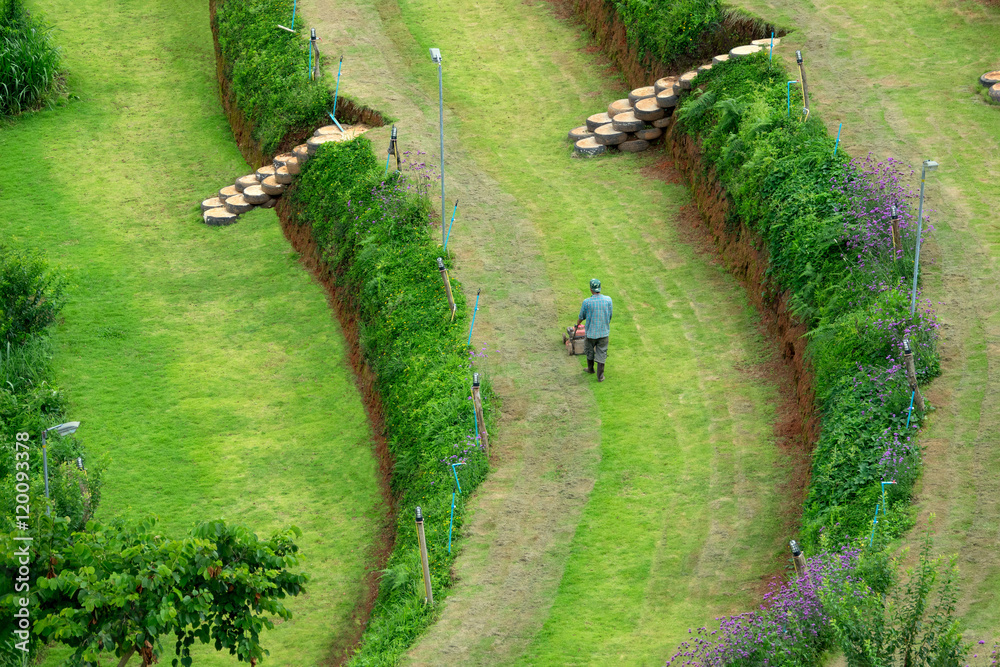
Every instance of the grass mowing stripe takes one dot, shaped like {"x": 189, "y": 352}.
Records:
{"x": 661, "y": 517}
{"x": 204, "y": 362}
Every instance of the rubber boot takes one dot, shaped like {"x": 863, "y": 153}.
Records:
{"x": 600, "y": 372}
{"x": 590, "y": 365}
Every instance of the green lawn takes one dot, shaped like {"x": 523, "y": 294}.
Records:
{"x": 204, "y": 362}
{"x": 681, "y": 523}
{"x": 903, "y": 79}
{"x": 568, "y": 559}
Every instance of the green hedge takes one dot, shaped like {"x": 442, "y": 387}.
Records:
{"x": 373, "y": 231}
{"x": 269, "y": 69}
{"x": 668, "y": 29}
{"x": 824, "y": 221}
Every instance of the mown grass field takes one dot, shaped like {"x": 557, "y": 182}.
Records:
{"x": 903, "y": 79}
{"x": 679, "y": 520}
{"x": 203, "y": 362}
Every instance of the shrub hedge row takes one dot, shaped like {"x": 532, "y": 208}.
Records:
{"x": 268, "y": 69}
{"x": 668, "y": 29}
{"x": 373, "y": 232}
{"x": 825, "y": 221}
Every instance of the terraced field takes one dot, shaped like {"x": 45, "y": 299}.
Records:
{"x": 203, "y": 362}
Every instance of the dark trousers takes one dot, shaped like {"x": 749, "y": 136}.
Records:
{"x": 596, "y": 349}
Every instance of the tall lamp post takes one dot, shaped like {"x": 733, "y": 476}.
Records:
{"x": 929, "y": 165}
{"x": 436, "y": 57}
{"x": 62, "y": 429}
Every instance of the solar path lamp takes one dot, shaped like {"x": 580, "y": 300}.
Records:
{"x": 62, "y": 429}
{"x": 436, "y": 57}
{"x": 929, "y": 165}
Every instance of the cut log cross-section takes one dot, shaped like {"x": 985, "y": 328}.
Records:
{"x": 649, "y": 110}
{"x": 227, "y": 192}
{"x": 607, "y": 135}
{"x": 641, "y": 94}
{"x": 210, "y": 203}
{"x": 244, "y": 182}
{"x": 589, "y": 147}
{"x": 219, "y": 216}
{"x": 598, "y": 119}
{"x": 578, "y": 133}
{"x": 666, "y": 83}
{"x": 633, "y": 146}
{"x": 271, "y": 186}
{"x": 744, "y": 51}
{"x": 255, "y": 195}
{"x": 238, "y": 204}
{"x": 619, "y": 106}
{"x": 627, "y": 122}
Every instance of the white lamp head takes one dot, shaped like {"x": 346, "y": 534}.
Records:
{"x": 436, "y": 55}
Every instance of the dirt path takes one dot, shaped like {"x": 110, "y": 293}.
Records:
{"x": 902, "y": 77}
{"x": 617, "y": 517}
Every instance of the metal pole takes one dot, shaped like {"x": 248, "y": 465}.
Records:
{"x": 45, "y": 467}
{"x": 392, "y": 147}
{"x": 920, "y": 229}
{"x": 448, "y": 236}
{"x": 428, "y": 593}
{"x": 294, "y": 5}
{"x": 474, "y": 311}
{"x": 451, "y": 521}
{"x": 441, "y": 131}
{"x": 477, "y": 406}
{"x": 837, "y": 145}
{"x": 789, "y": 88}
{"x": 802, "y": 78}
{"x": 798, "y": 558}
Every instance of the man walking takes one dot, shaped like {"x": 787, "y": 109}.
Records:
{"x": 596, "y": 310}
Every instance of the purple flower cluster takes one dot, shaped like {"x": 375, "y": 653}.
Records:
{"x": 790, "y": 628}
{"x": 870, "y": 189}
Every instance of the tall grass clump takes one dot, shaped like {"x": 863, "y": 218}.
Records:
{"x": 373, "y": 232}
{"x": 29, "y": 60}
{"x": 268, "y": 69}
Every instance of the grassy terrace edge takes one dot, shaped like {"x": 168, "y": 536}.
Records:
{"x": 421, "y": 422}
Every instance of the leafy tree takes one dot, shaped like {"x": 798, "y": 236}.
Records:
{"x": 122, "y": 587}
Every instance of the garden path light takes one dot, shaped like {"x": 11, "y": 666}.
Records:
{"x": 62, "y": 429}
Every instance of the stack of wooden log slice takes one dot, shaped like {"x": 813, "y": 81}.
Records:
{"x": 634, "y": 123}
{"x": 262, "y": 188}
{"x": 992, "y": 82}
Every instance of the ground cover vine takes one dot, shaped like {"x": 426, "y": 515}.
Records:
{"x": 373, "y": 231}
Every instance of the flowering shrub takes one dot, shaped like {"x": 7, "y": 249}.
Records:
{"x": 373, "y": 231}
{"x": 851, "y": 599}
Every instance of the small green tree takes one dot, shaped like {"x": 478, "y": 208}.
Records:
{"x": 120, "y": 588}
